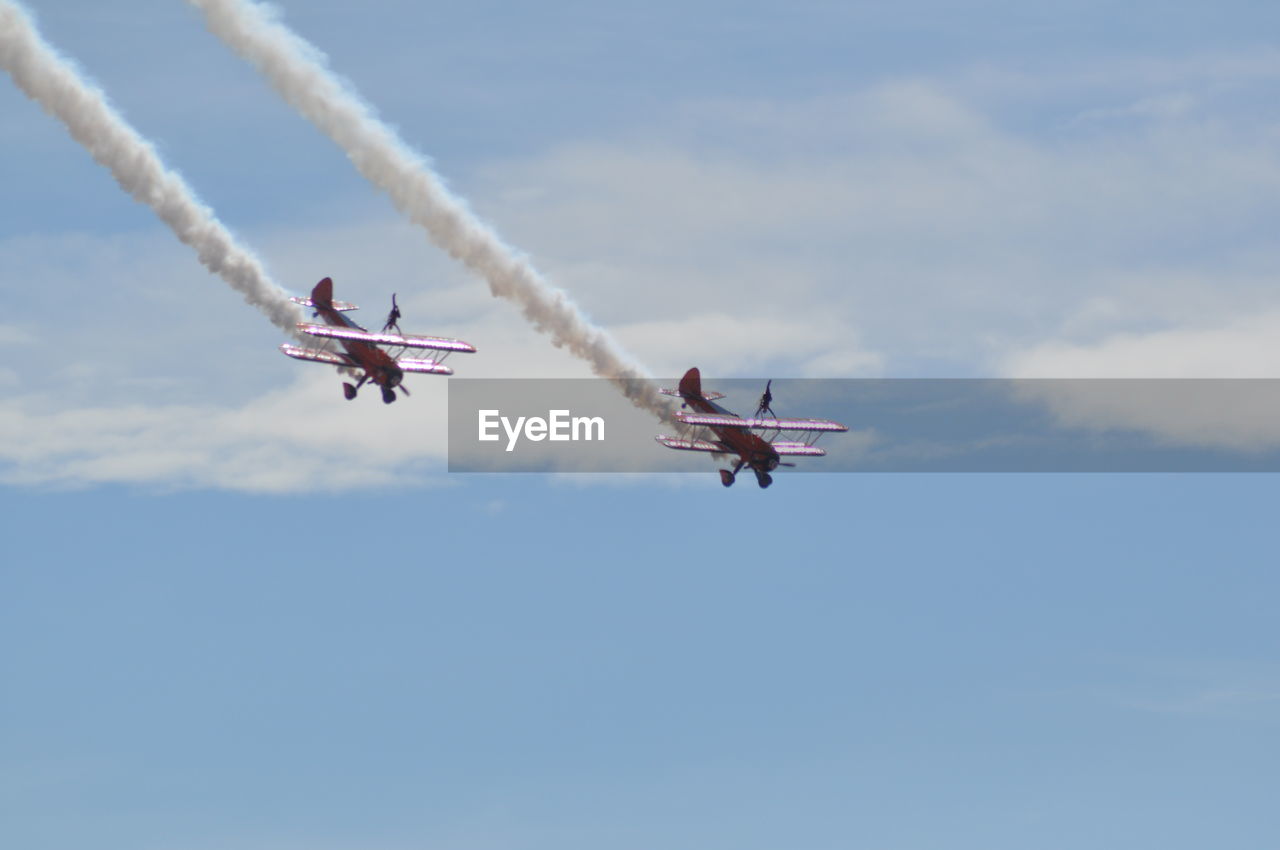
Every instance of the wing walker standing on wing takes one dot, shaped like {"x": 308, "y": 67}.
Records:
{"x": 393, "y": 318}
{"x": 766, "y": 402}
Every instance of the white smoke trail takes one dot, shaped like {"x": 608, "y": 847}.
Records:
{"x": 300, "y": 74}
{"x": 57, "y": 86}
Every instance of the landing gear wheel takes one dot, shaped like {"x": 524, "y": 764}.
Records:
{"x": 764, "y": 479}
{"x": 388, "y": 395}
{"x": 349, "y": 391}
{"x": 726, "y": 478}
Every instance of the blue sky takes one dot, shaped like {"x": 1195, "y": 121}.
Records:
{"x": 901, "y": 661}
{"x": 240, "y": 612}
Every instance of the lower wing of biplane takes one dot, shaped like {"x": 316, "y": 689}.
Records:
{"x": 792, "y": 448}
{"x": 344, "y": 361}
{"x": 802, "y": 434}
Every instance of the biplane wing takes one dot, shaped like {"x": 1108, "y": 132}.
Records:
{"x": 316, "y": 355}
{"x": 340, "y": 306}
{"x": 332, "y": 358}
{"x": 692, "y": 445}
{"x": 719, "y": 420}
{"x": 426, "y": 367}
{"x": 709, "y": 395}
{"x": 388, "y": 339}
{"x": 782, "y": 447}
{"x": 794, "y": 449}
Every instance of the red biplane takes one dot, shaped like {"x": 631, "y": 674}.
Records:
{"x": 362, "y": 349}
{"x": 733, "y": 435}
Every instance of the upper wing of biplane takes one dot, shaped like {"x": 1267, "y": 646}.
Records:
{"x": 340, "y": 306}
{"x": 388, "y": 339}
{"x": 707, "y": 394}
{"x": 719, "y": 420}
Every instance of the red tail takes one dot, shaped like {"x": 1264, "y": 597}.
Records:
{"x": 322, "y": 295}
{"x": 691, "y": 383}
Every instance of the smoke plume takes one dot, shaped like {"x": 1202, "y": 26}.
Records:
{"x": 58, "y": 87}
{"x": 299, "y": 73}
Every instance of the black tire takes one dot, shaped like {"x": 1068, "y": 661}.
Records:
{"x": 349, "y": 391}
{"x": 388, "y": 395}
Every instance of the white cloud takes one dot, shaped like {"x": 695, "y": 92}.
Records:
{"x": 1159, "y": 107}
{"x": 911, "y": 214}
{"x": 748, "y": 345}
{"x": 908, "y": 228}
{"x": 13, "y": 335}
{"x": 1244, "y": 348}
{"x": 1219, "y": 410}
{"x": 1223, "y": 414}
{"x": 302, "y": 437}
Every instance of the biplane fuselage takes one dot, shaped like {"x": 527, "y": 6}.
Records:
{"x": 752, "y": 449}
{"x": 377, "y": 364}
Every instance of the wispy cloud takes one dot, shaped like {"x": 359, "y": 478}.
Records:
{"x": 936, "y": 226}
{"x": 913, "y": 227}
{"x": 300, "y": 438}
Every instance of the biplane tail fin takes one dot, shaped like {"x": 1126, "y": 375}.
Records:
{"x": 322, "y": 295}
{"x": 691, "y": 383}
